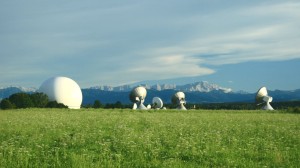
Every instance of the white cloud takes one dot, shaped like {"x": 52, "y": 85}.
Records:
{"x": 262, "y": 41}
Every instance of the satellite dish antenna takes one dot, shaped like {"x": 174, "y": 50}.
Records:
{"x": 262, "y": 97}
{"x": 137, "y": 97}
{"x": 179, "y": 100}
{"x": 157, "y": 103}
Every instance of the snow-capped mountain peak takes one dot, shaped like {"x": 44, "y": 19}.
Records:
{"x": 20, "y": 88}
{"x": 202, "y": 86}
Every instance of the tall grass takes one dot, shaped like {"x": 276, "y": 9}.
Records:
{"x": 125, "y": 138}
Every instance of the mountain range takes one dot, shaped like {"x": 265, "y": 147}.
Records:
{"x": 202, "y": 86}
{"x": 198, "y": 92}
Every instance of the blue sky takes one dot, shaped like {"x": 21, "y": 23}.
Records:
{"x": 239, "y": 44}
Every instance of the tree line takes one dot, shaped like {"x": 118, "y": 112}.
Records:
{"x": 208, "y": 106}
{"x": 98, "y": 104}
{"x": 25, "y": 100}
{"x": 41, "y": 100}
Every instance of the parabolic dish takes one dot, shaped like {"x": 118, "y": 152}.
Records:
{"x": 139, "y": 92}
{"x": 63, "y": 90}
{"x": 157, "y": 102}
{"x": 177, "y": 97}
{"x": 261, "y": 93}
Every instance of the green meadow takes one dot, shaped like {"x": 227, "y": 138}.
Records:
{"x": 165, "y": 138}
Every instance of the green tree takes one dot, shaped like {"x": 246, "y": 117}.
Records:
{"x": 87, "y": 106}
{"x": 118, "y": 104}
{"x": 6, "y": 104}
{"x": 39, "y": 99}
{"x": 54, "y": 104}
{"x": 97, "y": 104}
{"x": 21, "y": 100}
{"x": 109, "y": 106}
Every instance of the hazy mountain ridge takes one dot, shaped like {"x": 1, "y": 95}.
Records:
{"x": 20, "y": 88}
{"x": 7, "y": 91}
{"x": 202, "y": 86}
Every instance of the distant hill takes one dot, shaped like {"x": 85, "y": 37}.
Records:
{"x": 199, "y": 92}
{"x": 7, "y": 91}
{"x": 279, "y": 95}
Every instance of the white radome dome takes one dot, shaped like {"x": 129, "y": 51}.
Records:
{"x": 63, "y": 90}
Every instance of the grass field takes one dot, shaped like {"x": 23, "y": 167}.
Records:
{"x": 125, "y": 138}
